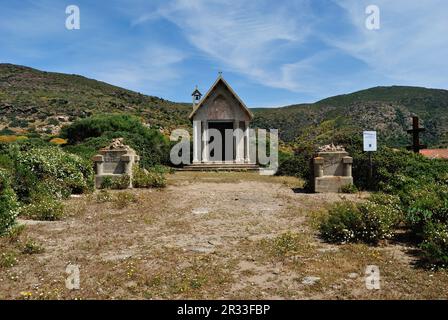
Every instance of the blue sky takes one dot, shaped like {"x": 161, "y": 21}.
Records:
{"x": 273, "y": 53}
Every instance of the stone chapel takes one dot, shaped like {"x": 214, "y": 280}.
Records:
{"x": 220, "y": 109}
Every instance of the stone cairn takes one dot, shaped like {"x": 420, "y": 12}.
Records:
{"x": 330, "y": 148}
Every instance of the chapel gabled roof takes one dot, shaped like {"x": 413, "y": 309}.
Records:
{"x": 220, "y": 79}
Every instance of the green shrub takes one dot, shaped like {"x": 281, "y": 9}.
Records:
{"x": 435, "y": 243}
{"x": 51, "y": 171}
{"x": 421, "y": 185}
{"x": 96, "y": 131}
{"x": 342, "y": 223}
{"x": 379, "y": 221}
{"x": 116, "y": 182}
{"x": 285, "y": 245}
{"x": 369, "y": 221}
{"x": 120, "y": 199}
{"x": 296, "y": 165}
{"x": 162, "y": 169}
{"x": 89, "y": 147}
{"x": 53, "y": 121}
{"x": 97, "y": 126}
{"x": 124, "y": 199}
{"x": 103, "y": 196}
{"x": 142, "y": 178}
{"x": 6, "y": 131}
{"x": 427, "y": 204}
{"x": 14, "y": 232}
{"x": 396, "y": 171}
{"x": 9, "y": 207}
{"x": 349, "y": 188}
{"x": 23, "y": 145}
{"x": 45, "y": 209}
{"x": 121, "y": 182}
{"x": 32, "y": 247}
{"x": 21, "y": 123}
{"x": 8, "y": 259}
{"x": 106, "y": 183}
{"x": 388, "y": 200}
{"x": 6, "y": 162}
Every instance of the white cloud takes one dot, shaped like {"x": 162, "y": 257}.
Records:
{"x": 410, "y": 47}
{"x": 148, "y": 70}
{"x": 302, "y": 46}
{"x": 264, "y": 42}
{"x": 247, "y": 37}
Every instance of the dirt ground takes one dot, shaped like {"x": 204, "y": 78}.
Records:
{"x": 206, "y": 236}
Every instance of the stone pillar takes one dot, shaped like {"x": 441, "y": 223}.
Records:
{"x": 197, "y": 144}
{"x": 205, "y": 141}
{"x": 347, "y": 170}
{"x": 99, "y": 161}
{"x": 239, "y": 144}
{"x": 318, "y": 167}
{"x": 247, "y": 142}
{"x": 128, "y": 161}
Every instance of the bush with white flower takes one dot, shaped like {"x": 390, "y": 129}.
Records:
{"x": 370, "y": 221}
{"x": 435, "y": 243}
{"x": 8, "y": 203}
{"x": 44, "y": 209}
{"x": 51, "y": 171}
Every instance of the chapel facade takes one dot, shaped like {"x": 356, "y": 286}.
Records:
{"x": 222, "y": 110}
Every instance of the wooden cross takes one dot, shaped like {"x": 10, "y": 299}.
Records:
{"x": 415, "y": 131}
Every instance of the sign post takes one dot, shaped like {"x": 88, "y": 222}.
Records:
{"x": 370, "y": 145}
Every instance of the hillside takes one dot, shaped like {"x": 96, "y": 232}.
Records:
{"x": 385, "y": 109}
{"x": 33, "y": 100}
{"x": 43, "y": 101}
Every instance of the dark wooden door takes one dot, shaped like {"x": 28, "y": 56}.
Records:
{"x": 221, "y": 127}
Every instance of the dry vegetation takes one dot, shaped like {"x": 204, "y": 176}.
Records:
{"x": 207, "y": 235}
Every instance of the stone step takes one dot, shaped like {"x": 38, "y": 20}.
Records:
{"x": 220, "y": 167}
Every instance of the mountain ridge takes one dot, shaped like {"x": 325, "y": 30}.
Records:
{"x": 34, "y": 100}
{"x": 385, "y": 109}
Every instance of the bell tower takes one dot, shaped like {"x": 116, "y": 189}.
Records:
{"x": 196, "y": 96}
